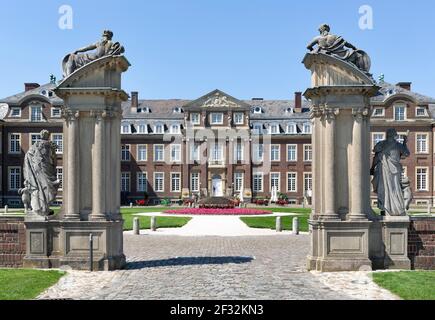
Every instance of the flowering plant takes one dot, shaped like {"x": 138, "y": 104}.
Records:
{"x": 218, "y": 212}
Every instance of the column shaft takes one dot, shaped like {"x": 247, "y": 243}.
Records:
{"x": 72, "y": 186}
{"x": 98, "y": 171}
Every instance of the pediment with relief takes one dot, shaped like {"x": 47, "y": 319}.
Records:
{"x": 217, "y": 99}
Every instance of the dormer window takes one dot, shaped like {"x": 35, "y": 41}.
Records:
{"x": 175, "y": 129}
{"x": 421, "y": 112}
{"x": 400, "y": 112}
{"x": 274, "y": 129}
{"x": 144, "y": 110}
{"x": 239, "y": 118}
{"x": 195, "y": 118}
{"x": 56, "y": 112}
{"x": 289, "y": 111}
{"x": 36, "y": 113}
{"x": 142, "y": 129}
{"x": 126, "y": 128}
{"x": 291, "y": 128}
{"x": 307, "y": 128}
{"x": 178, "y": 110}
{"x": 258, "y": 110}
{"x": 159, "y": 129}
{"x": 379, "y": 112}
{"x": 15, "y": 112}
{"x": 258, "y": 128}
{"x": 217, "y": 118}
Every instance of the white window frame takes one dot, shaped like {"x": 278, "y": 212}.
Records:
{"x": 426, "y": 178}
{"x": 10, "y": 143}
{"x": 179, "y": 181}
{"x": 279, "y": 152}
{"x": 426, "y": 146}
{"x": 138, "y": 151}
{"x": 126, "y": 125}
{"x": 308, "y": 124}
{"x": 277, "y": 129}
{"x": 373, "y": 138}
{"x": 14, "y": 188}
{"x": 212, "y": 114}
{"x": 195, "y": 118}
{"x": 174, "y": 159}
{"x": 12, "y": 112}
{"x": 420, "y": 108}
{"x": 124, "y": 149}
{"x": 59, "y": 149}
{"x": 305, "y": 181}
{"x": 306, "y": 159}
{"x": 163, "y": 182}
{"x": 294, "y": 126}
{"x": 141, "y": 176}
{"x": 397, "y": 106}
{"x": 258, "y": 174}
{"x": 36, "y": 106}
{"x": 374, "y": 115}
{"x": 126, "y": 175}
{"x": 31, "y": 135}
{"x": 295, "y": 182}
{"x": 155, "y": 153}
{"x": 176, "y": 129}
{"x": 239, "y": 151}
{"x": 159, "y": 125}
{"x": 56, "y": 109}
{"x": 296, "y": 152}
{"x": 238, "y": 116}
{"x": 140, "y": 131}
{"x": 195, "y": 151}
{"x": 60, "y": 175}
{"x": 217, "y": 152}
{"x": 239, "y": 177}
{"x": 195, "y": 178}
{"x": 279, "y": 180}
{"x": 256, "y": 152}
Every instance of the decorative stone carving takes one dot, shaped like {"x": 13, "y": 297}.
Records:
{"x": 387, "y": 174}
{"x": 40, "y": 180}
{"x": 360, "y": 114}
{"x": 339, "y": 48}
{"x": 102, "y": 48}
{"x": 407, "y": 192}
{"x": 219, "y": 101}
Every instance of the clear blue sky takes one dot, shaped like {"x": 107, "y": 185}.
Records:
{"x": 186, "y": 48}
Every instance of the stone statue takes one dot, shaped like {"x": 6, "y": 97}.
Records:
{"x": 40, "y": 180}
{"x": 387, "y": 174}
{"x": 339, "y": 48}
{"x": 102, "y": 48}
{"x": 407, "y": 192}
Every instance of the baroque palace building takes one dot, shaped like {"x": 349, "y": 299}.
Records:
{"x": 216, "y": 145}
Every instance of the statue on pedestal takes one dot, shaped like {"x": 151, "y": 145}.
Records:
{"x": 339, "y": 48}
{"x": 387, "y": 175}
{"x": 40, "y": 179}
{"x": 102, "y": 48}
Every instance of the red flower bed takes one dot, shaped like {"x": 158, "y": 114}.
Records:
{"x": 219, "y": 212}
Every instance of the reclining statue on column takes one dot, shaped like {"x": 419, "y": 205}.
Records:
{"x": 40, "y": 179}
{"x": 102, "y": 48}
{"x": 387, "y": 175}
{"x": 339, "y": 48}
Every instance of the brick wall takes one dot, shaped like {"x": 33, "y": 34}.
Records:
{"x": 12, "y": 242}
{"x": 421, "y": 244}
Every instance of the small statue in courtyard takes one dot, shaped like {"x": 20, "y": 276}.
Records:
{"x": 339, "y": 48}
{"x": 102, "y": 48}
{"x": 40, "y": 180}
{"x": 407, "y": 192}
{"x": 387, "y": 174}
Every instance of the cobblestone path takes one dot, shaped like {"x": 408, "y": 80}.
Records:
{"x": 171, "y": 267}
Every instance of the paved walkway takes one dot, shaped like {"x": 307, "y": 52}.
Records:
{"x": 222, "y": 226}
{"x": 229, "y": 268}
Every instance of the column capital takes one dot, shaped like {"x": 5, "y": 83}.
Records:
{"x": 70, "y": 115}
{"x": 360, "y": 114}
{"x": 329, "y": 113}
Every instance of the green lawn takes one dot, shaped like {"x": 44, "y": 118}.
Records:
{"x": 18, "y": 284}
{"x": 145, "y": 222}
{"x": 270, "y": 222}
{"x": 409, "y": 285}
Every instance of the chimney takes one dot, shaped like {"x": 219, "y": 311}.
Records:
{"x": 405, "y": 85}
{"x": 298, "y": 102}
{"x": 30, "y": 86}
{"x": 134, "y": 101}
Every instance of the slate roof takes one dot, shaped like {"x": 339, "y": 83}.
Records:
{"x": 388, "y": 89}
{"x": 15, "y": 99}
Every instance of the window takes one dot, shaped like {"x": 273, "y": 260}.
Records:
{"x": 401, "y": 137}
{"x": 14, "y": 178}
{"x": 125, "y": 181}
{"x": 238, "y": 181}
{"x": 14, "y": 143}
{"x": 307, "y": 128}
{"x": 142, "y": 129}
{"x": 292, "y": 181}
{"x": 238, "y": 118}
{"x": 194, "y": 182}
{"x": 274, "y": 129}
{"x": 308, "y": 153}
{"x": 421, "y": 112}
{"x": 217, "y": 152}
{"x": 36, "y": 114}
{"x": 142, "y": 152}
{"x": 126, "y": 128}
{"x": 275, "y": 152}
{"x": 400, "y": 112}
{"x": 217, "y": 118}
{"x": 159, "y": 183}
{"x": 379, "y": 112}
{"x": 258, "y": 150}
{"x": 308, "y": 182}
{"x": 292, "y": 152}
{"x": 195, "y": 118}
{"x": 275, "y": 181}
{"x": 239, "y": 151}
{"x": 178, "y": 110}
{"x": 258, "y": 128}
{"x": 34, "y": 137}
{"x": 159, "y": 153}
{"x": 159, "y": 129}
{"x": 15, "y": 112}
{"x": 59, "y": 176}
{"x": 142, "y": 182}
{"x": 291, "y": 128}
{"x": 175, "y": 182}
{"x": 175, "y": 153}
{"x": 258, "y": 110}
{"x": 56, "y": 112}
{"x": 175, "y": 129}
{"x": 57, "y": 139}
{"x": 422, "y": 143}
{"x": 258, "y": 182}
{"x": 125, "y": 152}
{"x": 422, "y": 183}
{"x": 376, "y": 138}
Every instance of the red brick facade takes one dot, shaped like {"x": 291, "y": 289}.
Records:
{"x": 421, "y": 243}
{"x": 12, "y": 242}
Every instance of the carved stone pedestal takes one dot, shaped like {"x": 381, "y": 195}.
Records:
{"x": 395, "y": 240}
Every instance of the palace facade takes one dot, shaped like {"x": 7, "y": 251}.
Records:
{"x": 216, "y": 145}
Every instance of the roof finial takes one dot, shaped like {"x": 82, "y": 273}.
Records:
{"x": 52, "y": 79}
{"x": 382, "y": 78}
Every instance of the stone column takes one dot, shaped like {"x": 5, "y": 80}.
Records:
{"x": 357, "y": 177}
{"x": 98, "y": 172}
{"x": 330, "y": 212}
{"x": 72, "y": 211}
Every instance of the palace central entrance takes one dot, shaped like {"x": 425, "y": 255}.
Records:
{"x": 217, "y": 186}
